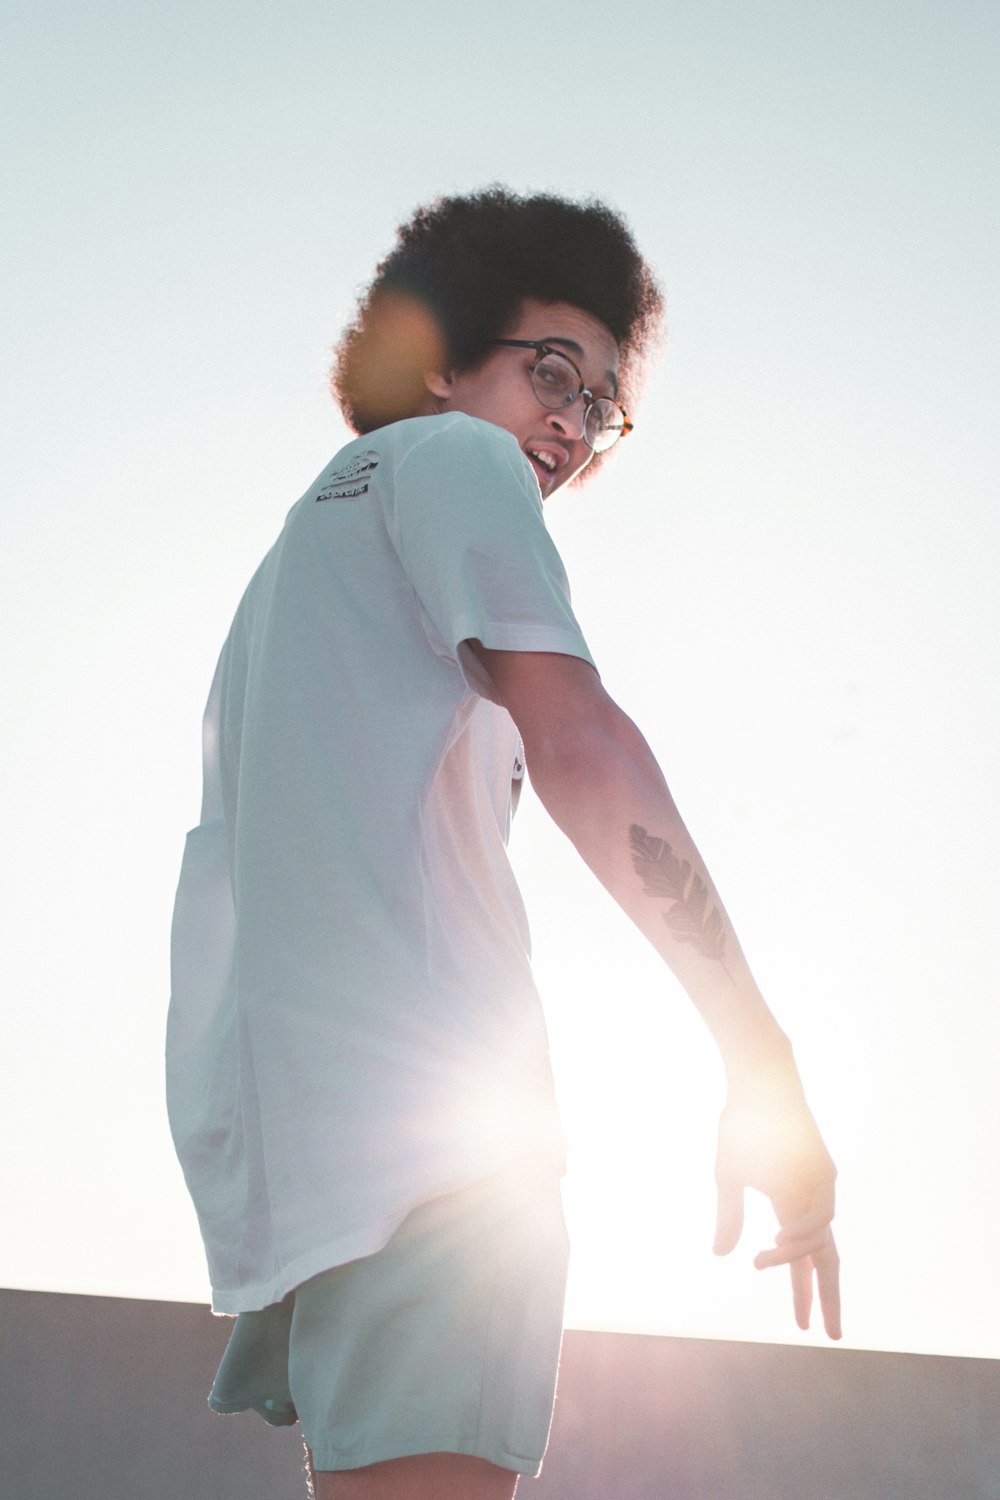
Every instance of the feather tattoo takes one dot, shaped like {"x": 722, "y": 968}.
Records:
{"x": 670, "y": 878}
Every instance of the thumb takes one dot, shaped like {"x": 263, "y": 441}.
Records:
{"x": 729, "y": 1216}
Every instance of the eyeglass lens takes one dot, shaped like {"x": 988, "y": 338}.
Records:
{"x": 556, "y": 384}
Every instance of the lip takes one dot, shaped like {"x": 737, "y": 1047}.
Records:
{"x": 547, "y": 478}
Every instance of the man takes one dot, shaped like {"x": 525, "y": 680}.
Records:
{"x": 358, "y": 1075}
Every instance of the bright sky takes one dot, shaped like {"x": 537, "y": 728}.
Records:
{"x": 787, "y": 576}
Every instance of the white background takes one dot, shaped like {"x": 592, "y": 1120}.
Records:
{"x": 787, "y": 576}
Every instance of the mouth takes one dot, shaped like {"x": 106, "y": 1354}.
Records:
{"x": 546, "y": 462}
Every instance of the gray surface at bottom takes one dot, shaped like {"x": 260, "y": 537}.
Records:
{"x": 104, "y": 1398}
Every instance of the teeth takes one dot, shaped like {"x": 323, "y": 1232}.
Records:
{"x": 545, "y": 459}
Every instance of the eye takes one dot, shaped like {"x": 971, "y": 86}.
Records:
{"x": 555, "y": 376}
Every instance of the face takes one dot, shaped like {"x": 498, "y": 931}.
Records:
{"x": 499, "y": 390}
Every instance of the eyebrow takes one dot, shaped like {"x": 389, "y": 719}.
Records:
{"x": 580, "y": 353}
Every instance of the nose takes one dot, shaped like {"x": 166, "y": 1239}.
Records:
{"x": 569, "y": 421}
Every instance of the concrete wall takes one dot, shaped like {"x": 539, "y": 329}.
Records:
{"x": 104, "y": 1399}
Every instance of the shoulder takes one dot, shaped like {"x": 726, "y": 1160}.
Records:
{"x": 453, "y": 438}
{"x": 463, "y": 459}
{"x": 453, "y": 444}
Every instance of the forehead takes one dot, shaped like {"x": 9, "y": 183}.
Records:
{"x": 587, "y": 341}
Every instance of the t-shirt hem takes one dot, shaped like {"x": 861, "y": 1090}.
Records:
{"x": 256, "y": 1295}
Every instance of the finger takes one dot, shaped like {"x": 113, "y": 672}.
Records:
{"x": 802, "y": 1290}
{"x": 827, "y": 1266}
{"x": 792, "y": 1250}
{"x": 729, "y": 1217}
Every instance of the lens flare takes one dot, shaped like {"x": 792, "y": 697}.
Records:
{"x": 399, "y": 342}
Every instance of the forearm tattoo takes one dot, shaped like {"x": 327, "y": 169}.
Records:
{"x": 670, "y": 878}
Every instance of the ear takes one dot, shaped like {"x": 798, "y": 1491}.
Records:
{"x": 439, "y": 384}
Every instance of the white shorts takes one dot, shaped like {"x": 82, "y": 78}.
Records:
{"x": 445, "y": 1341}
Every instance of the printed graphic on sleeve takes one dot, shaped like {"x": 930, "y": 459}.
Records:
{"x": 351, "y": 481}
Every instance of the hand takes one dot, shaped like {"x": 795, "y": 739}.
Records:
{"x": 769, "y": 1140}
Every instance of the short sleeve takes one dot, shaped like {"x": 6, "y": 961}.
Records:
{"x": 465, "y": 517}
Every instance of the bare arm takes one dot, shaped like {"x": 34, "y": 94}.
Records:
{"x": 599, "y": 781}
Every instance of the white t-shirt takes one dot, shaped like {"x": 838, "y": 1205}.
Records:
{"x": 353, "y": 1027}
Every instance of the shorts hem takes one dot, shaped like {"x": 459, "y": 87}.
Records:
{"x": 275, "y": 1415}
{"x": 326, "y": 1460}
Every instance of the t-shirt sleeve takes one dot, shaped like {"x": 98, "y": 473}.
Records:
{"x": 465, "y": 517}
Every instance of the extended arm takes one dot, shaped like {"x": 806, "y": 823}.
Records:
{"x": 599, "y": 781}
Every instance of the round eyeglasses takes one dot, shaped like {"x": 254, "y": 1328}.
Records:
{"x": 557, "y": 383}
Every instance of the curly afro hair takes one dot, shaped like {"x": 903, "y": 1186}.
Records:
{"x": 456, "y": 279}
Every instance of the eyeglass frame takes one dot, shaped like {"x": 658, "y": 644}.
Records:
{"x": 589, "y": 399}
